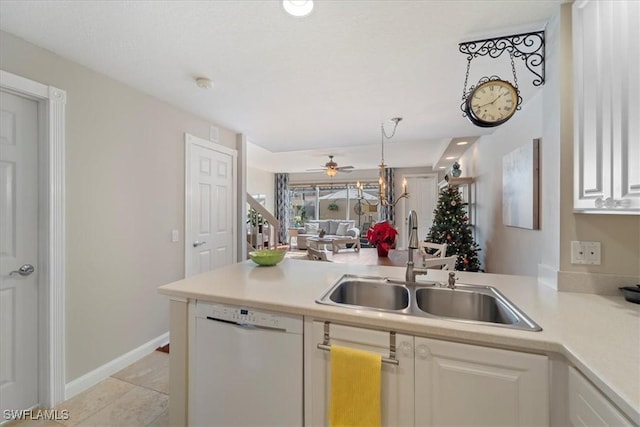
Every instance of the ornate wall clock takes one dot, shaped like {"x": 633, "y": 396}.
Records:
{"x": 492, "y": 102}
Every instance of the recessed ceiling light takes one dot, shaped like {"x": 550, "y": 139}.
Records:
{"x": 204, "y": 83}
{"x": 298, "y": 7}
{"x": 442, "y": 167}
{"x": 450, "y": 157}
{"x": 462, "y": 143}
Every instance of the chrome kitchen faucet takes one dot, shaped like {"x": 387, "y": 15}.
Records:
{"x": 412, "y": 271}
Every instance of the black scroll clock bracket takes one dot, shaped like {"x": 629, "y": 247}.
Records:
{"x": 493, "y": 101}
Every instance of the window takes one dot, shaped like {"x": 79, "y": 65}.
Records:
{"x": 338, "y": 201}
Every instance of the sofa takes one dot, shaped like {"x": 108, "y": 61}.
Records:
{"x": 334, "y": 228}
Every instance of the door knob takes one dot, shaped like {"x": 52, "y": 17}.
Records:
{"x": 405, "y": 348}
{"x": 25, "y": 270}
{"x": 197, "y": 243}
{"x": 423, "y": 351}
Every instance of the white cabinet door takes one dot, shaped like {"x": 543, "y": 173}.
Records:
{"x": 397, "y": 380}
{"x": 606, "y": 36}
{"x": 466, "y": 385}
{"x": 588, "y": 407}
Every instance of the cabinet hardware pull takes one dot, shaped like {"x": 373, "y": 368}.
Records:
{"x": 324, "y": 345}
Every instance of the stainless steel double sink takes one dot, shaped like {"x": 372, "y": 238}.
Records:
{"x": 464, "y": 303}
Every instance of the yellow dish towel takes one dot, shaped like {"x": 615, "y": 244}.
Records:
{"x": 355, "y": 388}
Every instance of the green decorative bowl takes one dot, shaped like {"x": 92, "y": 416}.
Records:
{"x": 267, "y": 257}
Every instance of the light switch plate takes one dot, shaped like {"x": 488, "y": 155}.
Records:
{"x": 174, "y": 236}
{"x": 585, "y": 253}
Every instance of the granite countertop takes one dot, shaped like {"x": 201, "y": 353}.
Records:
{"x": 600, "y": 335}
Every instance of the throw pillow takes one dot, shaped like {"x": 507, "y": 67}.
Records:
{"x": 311, "y": 228}
{"x": 342, "y": 229}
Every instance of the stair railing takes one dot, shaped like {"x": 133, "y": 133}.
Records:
{"x": 257, "y": 227}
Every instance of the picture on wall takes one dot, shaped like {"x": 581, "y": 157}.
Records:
{"x": 520, "y": 195}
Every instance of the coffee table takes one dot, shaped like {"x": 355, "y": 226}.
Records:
{"x": 337, "y": 242}
{"x": 315, "y": 242}
{"x": 369, "y": 256}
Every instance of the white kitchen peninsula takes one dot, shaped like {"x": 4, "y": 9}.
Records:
{"x": 598, "y": 336}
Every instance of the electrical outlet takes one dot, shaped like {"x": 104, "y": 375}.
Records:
{"x": 174, "y": 235}
{"x": 592, "y": 253}
{"x": 577, "y": 252}
{"x": 585, "y": 253}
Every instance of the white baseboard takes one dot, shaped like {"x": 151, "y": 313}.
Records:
{"x": 94, "y": 377}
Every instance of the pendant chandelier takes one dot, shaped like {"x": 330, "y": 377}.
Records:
{"x": 382, "y": 179}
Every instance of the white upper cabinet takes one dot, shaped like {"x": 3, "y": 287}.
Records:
{"x": 606, "y": 60}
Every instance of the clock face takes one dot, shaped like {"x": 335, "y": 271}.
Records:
{"x": 492, "y": 103}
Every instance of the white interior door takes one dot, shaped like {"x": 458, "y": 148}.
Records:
{"x": 18, "y": 252}
{"x": 211, "y": 195}
{"x": 423, "y": 198}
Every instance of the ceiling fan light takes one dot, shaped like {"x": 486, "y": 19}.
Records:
{"x": 298, "y": 7}
{"x": 332, "y": 171}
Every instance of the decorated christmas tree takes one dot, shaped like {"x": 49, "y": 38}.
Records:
{"x": 451, "y": 226}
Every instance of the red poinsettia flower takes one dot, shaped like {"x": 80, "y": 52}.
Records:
{"x": 382, "y": 234}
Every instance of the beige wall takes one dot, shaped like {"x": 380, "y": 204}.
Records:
{"x": 507, "y": 250}
{"x": 124, "y": 195}
{"x": 547, "y": 251}
{"x": 618, "y": 234}
{"x": 513, "y": 250}
{"x": 262, "y": 182}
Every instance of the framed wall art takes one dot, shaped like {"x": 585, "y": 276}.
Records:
{"x": 520, "y": 189}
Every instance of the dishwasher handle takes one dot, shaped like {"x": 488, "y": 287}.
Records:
{"x": 247, "y": 325}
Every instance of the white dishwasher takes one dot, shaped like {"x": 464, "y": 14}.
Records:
{"x": 245, "y": 367}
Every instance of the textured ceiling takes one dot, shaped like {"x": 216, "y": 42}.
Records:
{"x": 316, "y": 85}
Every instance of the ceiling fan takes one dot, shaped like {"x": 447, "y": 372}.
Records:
{"x": 331, "y": 168}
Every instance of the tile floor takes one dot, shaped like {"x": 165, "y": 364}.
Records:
{"x": 138, "y": 395}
